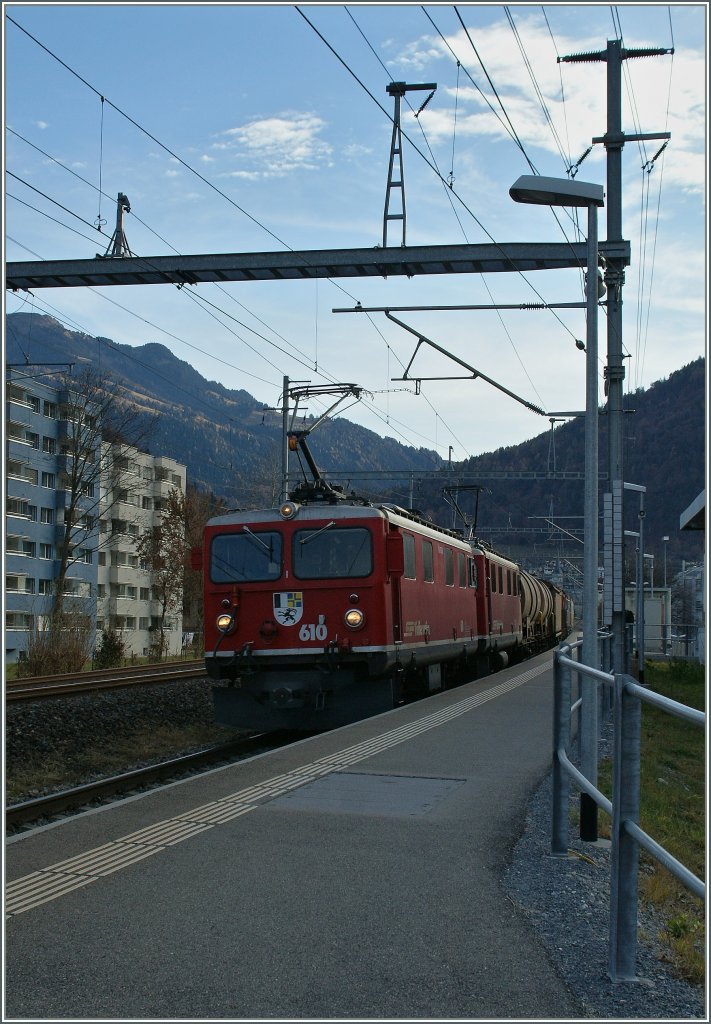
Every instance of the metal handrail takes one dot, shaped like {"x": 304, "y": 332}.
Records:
{"x": 627, "y": 836}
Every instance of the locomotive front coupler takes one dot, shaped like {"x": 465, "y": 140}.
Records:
{"x": 333, "y": 652}
{"x": 240, "y": 664}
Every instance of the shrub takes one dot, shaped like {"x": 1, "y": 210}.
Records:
{"x": 110, "y": 650}
{"x": 61, "y": 648}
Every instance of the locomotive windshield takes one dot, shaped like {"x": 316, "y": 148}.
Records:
{"x": 331, "y": 552}
{"x": 245, "y": 557}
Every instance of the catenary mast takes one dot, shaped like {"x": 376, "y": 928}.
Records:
{"x": 614, "y": 140}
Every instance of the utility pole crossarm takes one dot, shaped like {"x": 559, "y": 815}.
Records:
{"x": 656, "y": 51}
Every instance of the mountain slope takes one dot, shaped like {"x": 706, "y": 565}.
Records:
{"x": 229, "y": 443}
{"x": 232, "y": 446}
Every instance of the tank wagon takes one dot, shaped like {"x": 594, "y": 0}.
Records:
{"x": 325, "y": 611}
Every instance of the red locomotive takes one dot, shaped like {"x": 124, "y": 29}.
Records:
{"x": 330, "y": 609}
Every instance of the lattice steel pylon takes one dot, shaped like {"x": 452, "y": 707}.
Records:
{"x": 397, "y": 90}
{"x": 118, "y": 246}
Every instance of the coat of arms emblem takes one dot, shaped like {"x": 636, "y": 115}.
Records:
{"x": 288, "y": 606}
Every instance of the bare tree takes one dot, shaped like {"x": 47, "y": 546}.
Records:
{"x": 92, "y": 411}
{"x": 163, "y": 549}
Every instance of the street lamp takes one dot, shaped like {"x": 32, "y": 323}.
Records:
{"x": 542, "y": 191}
{"x": 664, "y": 541}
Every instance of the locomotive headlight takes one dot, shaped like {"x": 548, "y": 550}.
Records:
{"x": 288, "y": 509}
{"x": 354, "y": 618}
{"x": 225, "y": 622}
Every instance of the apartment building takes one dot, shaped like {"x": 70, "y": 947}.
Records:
{"x": 134, "y": 487}
{"x": 105, "y": 579}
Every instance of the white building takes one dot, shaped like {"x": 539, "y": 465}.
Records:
{"x": 105, "y": 580}
{"x": 134, "y": 487}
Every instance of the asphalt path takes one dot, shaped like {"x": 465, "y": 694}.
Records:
{"x": 354, "y": 875}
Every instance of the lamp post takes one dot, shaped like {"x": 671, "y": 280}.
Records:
{"x": 544, "y": 191}
{"x": 664, "y": 541}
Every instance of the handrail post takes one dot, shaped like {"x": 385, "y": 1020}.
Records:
{"x": 625, "y": 850}
{"x": 561, "y": 741}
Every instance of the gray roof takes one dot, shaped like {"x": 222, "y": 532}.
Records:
{"x": 694, "y": 517}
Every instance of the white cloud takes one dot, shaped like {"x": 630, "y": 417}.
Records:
{"x": 278, "y": 145}
{"x": 653, "y": 85}
{"x": 41, "y": 124}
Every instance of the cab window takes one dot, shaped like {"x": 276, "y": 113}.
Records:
{"x": 332, "y": 552}
{"x": 245, "y": 557}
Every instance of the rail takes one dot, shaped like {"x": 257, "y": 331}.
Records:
{"x": 37, "y": 687}
{"x": 627, "y": 836}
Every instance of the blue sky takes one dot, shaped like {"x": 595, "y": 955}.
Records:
{"x": 253, "y": 100}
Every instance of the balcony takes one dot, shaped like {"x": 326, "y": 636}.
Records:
{"x": 18, "y": 508}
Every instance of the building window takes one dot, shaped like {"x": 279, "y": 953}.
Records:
{"x": 19, "y": 620}
{"x": 50, "y": 409}
{"x": 147, "y": 504}
{"x": 47, "y": 516}
{"x": 101, "y": 590}
{"x": 44, "y": 587}
{"x": 130, "y": 622}
{"x": 145, "y": 595}
{"x": 144, "y": 623}
{"x": 49, "y": 446}
{"x": 48, "y": 480}
{"x": 102, "y": 558}
{"x": 46, "y": 551}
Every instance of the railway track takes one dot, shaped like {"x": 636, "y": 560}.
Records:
{"x": 40, "y": 687}
{"x": 53, "y": 804}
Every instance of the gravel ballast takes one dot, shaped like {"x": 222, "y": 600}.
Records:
{"x": 566, "y": 900}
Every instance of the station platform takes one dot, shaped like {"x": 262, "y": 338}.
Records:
{"x": 352, "y": 875}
